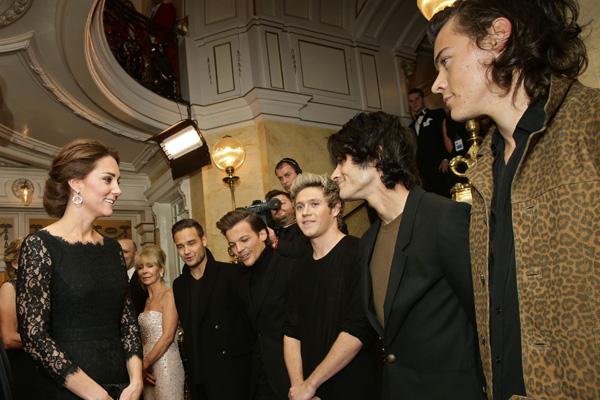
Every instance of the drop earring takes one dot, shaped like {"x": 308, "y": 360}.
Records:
{"x": 77, "y": 199}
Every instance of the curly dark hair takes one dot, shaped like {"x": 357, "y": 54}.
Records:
{"x": 380, "y": 138}
{"x": 545, "y": 39}
{"x": 74, "y": 161}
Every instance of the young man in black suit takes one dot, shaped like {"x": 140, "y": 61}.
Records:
{"x": 217, "y": 335}
{"x": 264, "y": 289}
{"x": 415, "y": 263}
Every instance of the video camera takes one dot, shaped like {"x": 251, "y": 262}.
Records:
{"x": 263, "y": 209}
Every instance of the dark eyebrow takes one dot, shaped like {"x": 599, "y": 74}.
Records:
{"x": 436, "y": 61}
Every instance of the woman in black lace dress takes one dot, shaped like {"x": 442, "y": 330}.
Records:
{"x": 75, "y": 316}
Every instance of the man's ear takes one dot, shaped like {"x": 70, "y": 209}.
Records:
{"x": 263, "y": 235}
{"x": 498, "y": 34}
{"x": 335, "y": 211}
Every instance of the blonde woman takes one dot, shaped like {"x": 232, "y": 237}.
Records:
{"x": 162, "y": 366}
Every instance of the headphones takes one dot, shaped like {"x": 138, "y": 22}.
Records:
{"x": 293, "y": 163}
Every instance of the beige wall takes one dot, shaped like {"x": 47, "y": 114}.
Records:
{"x": 266, "y": 142}
{"x": 590, "y": 13}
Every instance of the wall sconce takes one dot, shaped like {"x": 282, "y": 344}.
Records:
{"x": 184, "y": 146}
{"x": 23, "y": 189}
{"x": 228, "y": 155}
{"x": 430, "y": 7}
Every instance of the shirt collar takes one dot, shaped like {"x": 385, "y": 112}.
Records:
{"x": 531, "y": 121}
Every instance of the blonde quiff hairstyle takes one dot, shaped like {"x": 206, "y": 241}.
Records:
{"x": 330, "y": 188}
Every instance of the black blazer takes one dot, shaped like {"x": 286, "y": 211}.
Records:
{"x": 429, "y": 339}
{"x": 431, "y": 151}
{"x": 138, "y": 293}
{"x": 268, "y": 318}
{"x": 217, "y": 352}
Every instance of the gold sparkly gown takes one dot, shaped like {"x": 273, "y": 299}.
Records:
{"x": 168, "y": 369}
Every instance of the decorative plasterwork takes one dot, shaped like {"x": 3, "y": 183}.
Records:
{"x": 24, "y": 45}
{"x": 15, "y": 10}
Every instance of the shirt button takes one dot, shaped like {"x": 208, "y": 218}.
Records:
{"x": 390, "y": 358}
{"x": 498, "y": 310}
{"x": 497, "y": 359}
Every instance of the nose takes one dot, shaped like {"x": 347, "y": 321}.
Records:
{"x": 305, "y": 211}
{"x": 335, "y": 175}
{"x": 237, "y": 248}
{"x": 440, "y": 83}
{"x": 116, "y": 189}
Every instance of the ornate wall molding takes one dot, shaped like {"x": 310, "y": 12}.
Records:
{"x": 12, "y": 10}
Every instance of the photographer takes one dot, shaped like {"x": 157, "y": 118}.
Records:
{"x": 291, "y": 242}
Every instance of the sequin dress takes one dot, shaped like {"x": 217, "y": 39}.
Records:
{"x": 168, "y": 369}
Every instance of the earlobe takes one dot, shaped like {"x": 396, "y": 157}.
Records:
{"x": 336, "y": 210}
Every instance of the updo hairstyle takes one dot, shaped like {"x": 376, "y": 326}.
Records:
{"x": 74, "y": 161}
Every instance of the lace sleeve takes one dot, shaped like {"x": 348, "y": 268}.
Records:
{"x": 33, "y": 309}
{"x": 130, "y": 330}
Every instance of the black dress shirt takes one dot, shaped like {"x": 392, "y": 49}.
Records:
{"x": 505, "y": 327}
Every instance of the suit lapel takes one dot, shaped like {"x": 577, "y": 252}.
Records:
{"x": 368, "y": 242}
{"x": 399, "y": 259}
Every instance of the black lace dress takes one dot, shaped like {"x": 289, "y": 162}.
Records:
{"x": 74, "y": 312}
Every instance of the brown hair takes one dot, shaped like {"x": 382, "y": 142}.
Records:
{"x": 74, "y": 161}
{"x": 232, "y": 218}
{"x": 187, "y": 223}
{"x": 545, "y": 39}
{"x": 11, "y": 254}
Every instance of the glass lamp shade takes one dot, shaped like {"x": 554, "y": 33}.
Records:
{"x": 23, "y": 189}
{"x": 228, "y": 152}
{"x": 430, "y": 7}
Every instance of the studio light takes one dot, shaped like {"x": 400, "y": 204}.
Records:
{"x": 184, "y": 147}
